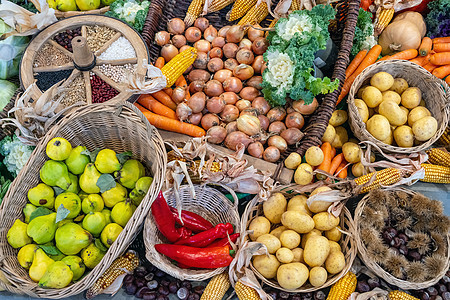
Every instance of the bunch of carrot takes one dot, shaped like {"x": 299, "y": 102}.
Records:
{"x": 333, "y": 164}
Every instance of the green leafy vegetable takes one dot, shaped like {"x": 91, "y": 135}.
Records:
{"x": 11, "y": 50}
{"x": 50, "y": 250}
{"x": 438, "y": 19}
{"x": 16, "y": 154}
{"x": 133, "y": 12}
{"x": 364, "y": 34}
{"x": 61, "y": 213}
{"x": 7, "y": 90}
{"x": 123, "y": 157}
{"x": 106, "y": 182}
{"x": 25, "y": 4}
{"x": 58, "y": 190}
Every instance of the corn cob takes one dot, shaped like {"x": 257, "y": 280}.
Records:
{"x": 383, "y": 19}
{"x": 445, "y": 137}
{"x": 217, "y": 287}
{"x": 399, "y": 295}
{"x": 194, "y": 11}
{"x": 386, "y": 176}
{"x": 439, "y": 157}
{"x": 342, "y": 289}
{"x": 177, "y": 65}
{"x": 271, "y": 25}
{"x": 245, "y": 292}
{"x": 295, "y": 5}
{"x": 121, "y": 266}
{"x": 255, "y": 15}
{"x": 239, "y": 9}
{"x": 217, "y": 5}
{"x": 436, "y": 174}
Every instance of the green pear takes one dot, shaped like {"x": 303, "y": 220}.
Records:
{"x": 57, "y": 276}
{"x": 88, "y": 4}
{"x": 122, "y": 212}
{"x": 52, "y": 3}
{"x": 143, "y": 185}
{"x": 66, "y": 5}
{"x": 74, "y": 187}
{"x": 42, "y": 229}
{"x": 55, "y": 173}
{"x": 64, "y": 222}
{"x": 107, "y": 162}
{"x": 110, "y": 234}
{"x": 71, "y": 238}
{"x": 40, "y": 264}
{"x": 42, "y": 195}
{"x": 26, "y": 255}
{"x": 92, "y": 256}
{"x": 76, "y": 265}
{"x": 58, "y": 148}
{"x": 107, "y": 213}
{"x": 115, "y": 195}
{"x": 135, "y": 197}
{"x": 76, "y": 162}
{"x": 130, "y": 172}
{"x": 82, "y": 195}
{"x": 107, "y": 2}
{"x": 94, "y": 222}
{"x": 92, "y": 203}
{"x": 70, "y": 201}
{"x": 27, "y": 211}
{"x": 17, "y": 235}
{"x": 88, "y": 180}
{"x": 58, "y": 256}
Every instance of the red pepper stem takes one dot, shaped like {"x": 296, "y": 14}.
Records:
{"x": 232, "y": 252}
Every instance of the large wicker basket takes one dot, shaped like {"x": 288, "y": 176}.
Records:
{"x": 209, "y": 203}
{"x": 435, "y": 93}
{"x": 118, "y": 127}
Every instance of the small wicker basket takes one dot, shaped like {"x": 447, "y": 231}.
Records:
{"x": 120, "y": 127}
{"x": 435, "y": 93}
{"x": 209, "y": 203}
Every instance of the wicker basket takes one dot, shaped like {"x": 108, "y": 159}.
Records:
{"x": 377, "y": 269}
{"x": 210, "y": 204}
{"x": 118, "y": 127}
{"x": 435, "y": 93}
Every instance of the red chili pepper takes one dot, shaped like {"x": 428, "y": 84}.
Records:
{"x": 204, "y": 258}
{"x": 191, "y": 220}
{"x": 205, "y": 238}
{"x": 225, "y": 241}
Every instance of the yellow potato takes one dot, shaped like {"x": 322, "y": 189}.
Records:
{"x": 378, "y": 126}
{"x": 417, "y": 113}
{"x": 334, "y": 234}
{"x": 298, "y": 203}
{"x": 334, "y": 246}
{"x": 411, "y": 97}
{"x": 390, "y": 139}
{"x": 272, "y": 242}
{"x": 325, "y": 221}
{"x": 404, "y": 109}
{"x": 363, "y": 110}
{"x": 335, "y": 262}
{"x": 351, "y": 152}
{"x": 338, "y": 117}
{"x": 399, "y": 86}
{"x": 316, "y": 250}
{"x": 360, "y": 91}
{"x": 382, "y": 81}
{"x": 293, "y": 161}
{"x": 314, "y": 156}
{"x": 422, "y": 103}
{"x": 292, "y": 276}
{"x": 395, "y": 115}
{"x": 372, "y": 96}
{"x": 260, "y": 226}
{"x": 329, "y": 135}
{"x": 358, "y": 169}
{"x": 274, "y": 207}
{"x": 266, "y": 265}
{"x": 403, "y": 136}
{"x": 303, "y": 175}
{"x": 306, "y": 236}
{"x": 284, "y": 255}
{"x": 298, "y": 255}
{"x": 277, "y": 231}
{"x": 393, "y": 96}
{"x": 341, "y": 137}
{"x": 297, "y": 221}
{"x": 425, "y": 128}
{"x": 290, "y": 239}
{"x": 317, "y": 276}
{"x": 319, "y": 206}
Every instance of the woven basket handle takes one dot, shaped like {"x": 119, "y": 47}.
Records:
{"x": 233, "y": 194}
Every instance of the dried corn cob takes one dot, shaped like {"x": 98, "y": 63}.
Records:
{"x": 239, "y": 9}
{"x": 255, "y": 15}
{"x": 271, "y": 25}
{"x": 245, "y": 292}
{"x": 217, "y": 287}
{"x": 295, "y": 5}
{"x": 217, "y": 5}
{"x": 194, "y": 11}
{"x": 445, "y": 137}
{"x": 399, "y": 295}
{"x": 177, "y": 65}
{"x": 342, "y": 289}
{"x": 384, "y": 18}
{"x": 439, "y": 157}
{"x": 386, "y": 176}
{"x": 436, "y": 174}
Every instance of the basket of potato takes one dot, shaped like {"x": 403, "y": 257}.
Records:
{"x": 399, "y": 106}
{"x": 309, "y": 249}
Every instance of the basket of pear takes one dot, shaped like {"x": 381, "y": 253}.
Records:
{"x": 70, "y": 8}
{"x": 79, "y": 201}
{"x": 308, "y": 248}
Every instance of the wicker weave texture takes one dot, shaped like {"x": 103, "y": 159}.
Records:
{"x": 118, "y": 127}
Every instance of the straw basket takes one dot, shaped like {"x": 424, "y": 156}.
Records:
{"x": 118, "y": 127}
{"x": 434, "y": 91}
{"x": 377, "y": 269}
{"x": 210, "y": 204}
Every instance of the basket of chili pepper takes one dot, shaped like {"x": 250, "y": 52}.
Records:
{"x": 192, "y": 243}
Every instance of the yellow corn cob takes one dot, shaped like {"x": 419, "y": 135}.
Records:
{"x": 177, "y": 65}
{"x": 217, "y": 5}
{"x": 342, "y": 289}
{"x": 384, "y": 18}
{"x": 445, "y": 138}
{"x": 245, "y": 292}
{"x": 436, "y": 174}
{"x": 271, "y": 25}
{"x": 439, "y": 157}
{"x": 255, "y": 15}
{"x": 194, "y": 11}
{"x": 295, "y": 5}
{"x": 240, "y": 8}
{"x": 399, "y": 295}
{"x": 217, "y": 287}
{"x": 386, "y": 176}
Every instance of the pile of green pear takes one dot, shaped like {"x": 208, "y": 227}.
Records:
{"x": 76, "y": 213}
{"x": 72, "y": 5}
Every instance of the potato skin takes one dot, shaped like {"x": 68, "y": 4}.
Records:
{"x": 303, "y": 175}
{"x": 274, "y": 207}
{"x": 395, "y": 115}
{"x": 293, "y": 161}
{"x": 314, "y": 156}
{"x": 338, "y": 117}
{"x": 379, "y": 127}
{"x": 292, "y": 276}
{"x": 316, "y": 250}
{"x": 341, "y": 137}
{"x": 334, "y": 246}
{"x": 404, "y": 136}
{"x": 277, "y": 231}
{"x": 298, "y": 203}
{"x": 260, "y": 226}
{"x": 290, "y": 239}
{"x": 351, "y": 152}
{"x": 417, "y": 113}
{"x": 399, "y": 86}
{"x": 392, "y": 96}
{"x": 319, "y": 206}
{"x": 297, "y": 221}
{"x": 334, "y": 234}
{"x": 325, "y": 221}
{"x": 284, "y": 255}
{"x": 411, "y": 97}
{"x": 425, "y": 128}
{"x": 372, "y": 96}
{"x": 270, "y": 241}
{"x": 382, "y": 81}
{"x": 335, "y": 262}
{"x": 266, "y": 265}
{"x": 330, "y": 134}
{"x": 298, "y": 255}
{"x": 317, "y": 276}
{"x": 306, "y": 236}
{"x": 363, "y": 110}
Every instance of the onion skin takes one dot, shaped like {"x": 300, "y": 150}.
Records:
{"x": 276, "y": 114}
{"x": 162, "y": 38}
{"x": 292, "y": 135}
{"x": 235, "y": 34}
{"x": 235, "y": 138}
{"x": 249, "y": 111}
{"x": 216, "y": 52}
{"x": 290, "y": 110}
{"x": 231, "y": 64}
{"x": 249, "y": 93}
{"x": 215, "y": 105}
{"x": 243, "y": 72}
{"x": 218, "y": 42}
{"x": 261, "y": 105}
{"x": 232, "y": 84}
{"x": 196, "y": 86}
{"x": 210, "y": 33}
{"x": 210, "y": 120}
{"x": 201, "y": 23}
{"x": 216, "y": 134}
{"x": 200, "y": 75}
{"x": 245, "y": 44}
{"x": 256, "y": 149}
{"x": 195, "y": 119}
{"x": 230, "y": 97}
{"x": 193, "y": 34}
{"x": 277, "y": 127}
{"x": 230, "y": 50}
{"x": 222, "y": 75}
{"x": 183, "y": 111}
{"x": 243, "y": 104}
{"x": 264, "y": 121}
{"x": 215, "y": 64}
{"x": 197, "y": 102}
{"x": 260, "y": 46}
{"x": 223, "y": 31}
{"x": 202, "y": 46}
{"x": 176, "y": 26}
{"x": 278, "y": 142}
{"x": 264, "y": 66}
{"x": 230, "y": 113}
{"x": 271, "y": 154}
{"x": 213, "y": 88}
{"x": 245, "y": 56}
{"x": 179, "y": 94}
{"x": 178, "y": 40}
{"x": 201, "y": 62}
{"x": 300, "y": 106}
{"x": 253, "y": 34}
{"x": 255, "y": 82}
{"x": 249, "y": 125}
{"x": 295, "y": 120}
{"x": 231, "y": 127}
{"x": 188, "y": 70}
{"x": 257, "y": 64}
{"x": 169, "y": 51}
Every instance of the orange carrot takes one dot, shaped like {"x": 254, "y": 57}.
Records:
{"x": 441, "y": 40}
{"x": 165, "y": 99}
{"x": 159, "y": 63}
{"x": 425, "y": 46}
{"x": 150, "y": 103}
{"x": 442, "y": 47}
{"x": 326, "y": 163}
{"x": 370, "y": 58}
{"x": 405, "y": 54}
{"x": 429, "y": 67}
{"x": 447, "y": 79}
{"x": 333, "y": 152}
{"x": 355, "y": 63}
{"x": 421, "y": 60}
{"x": 168, "y": 91}
{"x": 336, "y": 162}
{"x": 386, "y": 57}
{"x": 168, "y": 124}
{"x": 440, "y": 59}
{"x": 342, "y": 170}
{"x": 441, "y": 72}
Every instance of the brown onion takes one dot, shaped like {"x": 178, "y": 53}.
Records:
{"x": 197, "y": 102}
{"x": 235, "y": 34}
{"x": 243, "y": 104}
{"x": 230, "y": 113}
{"x": 289, "y": 110}
{"x": 176, "y": 26}
{"x": 249, "y": 111}
{"x": 245, "y": 44}
{"x": 261, "y": 105}
{"x": 168, "y": 52}
{"x": 244, "y": 56}
{"x": 179, "y": 94}
{"x": 276, "y": 114}
{"x": 183, "y": 111}
{"x": 218, "y": 42}
{"x": 188, "y": 70}
{"x": 195, "y": 119}
{"x": 264, "y": 121}
{"x": 235, "y": 138}
{"x": 210, "y": 120}
{"x": 253, "y": 33}
{"x": 202, "y": 45}
{"x": 201, "y": 62}
{"x": 178, "y": 40}
{"x": 230, "y": 97}
{"x": 196, "y": 86}
{"x": 223, "y": 31}
{"x": 278, "y": 142}
{"x": 201, "y": 75}
{"x": 258, "y": 63}
{"x": 201, "y": 23}
{"x": 230, "y": 50}
{"x": 231, "y": 64}
{"x": 216, "y": 134}
{"x": 222, "y": 75}
{"x": 213, "y": 88}
{"x": 276, "y": 127}
{"x": 291, "y": 135}
{"x": 264, "y": 66}
{"x": 271, "y": 154}
{"x": 256, "y": 149}
{"x": 215, "y": 105}
{"x": 260, "y": 45}
{"x": 162, "y": 38}
{"x": 231, "y": 127}
{"x": 185, "y": 47}
{"x": 249, "y": 93}
{"x": 255, "y": 82}
{"x": 295, "y": 120}
{"x": 216, "y": 52}
{"x": 243, "y": 72}
{"x": 232, "y": 84}
{"x": 215, "y": 64}
{"x": 193, "y": 34}
{"x": 210, "y": 33}
{"x": 300, "y": 106}
{"x": 249, "y": 124}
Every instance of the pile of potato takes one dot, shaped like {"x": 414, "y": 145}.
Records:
{"x": 395, "y": 113}
{"x": 302, "y": 241}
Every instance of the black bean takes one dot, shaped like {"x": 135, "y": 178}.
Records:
{"x": 446, "y": 296}
{"x": 199, "y": 289}
{"x": 165, "y": 282}
{"x": 441, "y": 288}
{"x": 140, "y": 282}
{"x": 183, "y": 293}
{"x": 128, "y": 278}
{"x": 186, "y": 284}
{"x": 193, "y": 297}
{"x": 319, "y": 295}
{"x": 149, "y": 296}
{"x": 362, "y": 287}
{"x": 173, "y": 288}
{"x": 161, "y": 297}
{"x": 424, "y": 296}
{"x": 446, "y": 279}
{"x": 130, "y": 289}
{"x": 403, "y": 250}
{"x": 140, "y": 271}
{"x": 283, "y": 295}
{"x": 152, "y": 284}
{"x": 149, "y": 276}
{"x": 158, "y": 273}
{"x": 272, "y": 294}
{"x": 432, "y": 291}
{"x": 163, "y": 290}
{"x": 296, "y": 297}
{"x": 46, "y": 80}
{"x": 140, "y": 292}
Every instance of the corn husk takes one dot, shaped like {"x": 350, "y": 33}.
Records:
{"x": 154, "y": 81}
